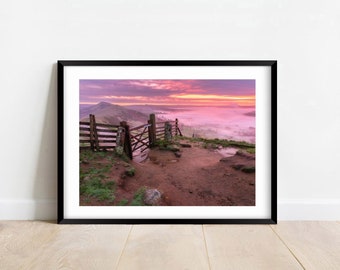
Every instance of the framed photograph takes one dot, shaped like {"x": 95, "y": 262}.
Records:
{"x": 167, "y": 142}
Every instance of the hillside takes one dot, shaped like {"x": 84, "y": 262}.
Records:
{"x": 112, "y": 114}
{"x": 197, "y": 176}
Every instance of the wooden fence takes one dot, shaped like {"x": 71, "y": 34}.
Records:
{"x": 158, "y": 129}
{"x": 97, "y": 136}
{"x": 161, "y": 129}
{"x": 102, "y": 137}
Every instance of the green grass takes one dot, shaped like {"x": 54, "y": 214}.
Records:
{"x": 94, "y": 175}
{"x": 167, "y": 145}
{"x": 215, "y": 143}
{"x": 250, "y": 150}
{"x": 162, "y": 144}
{"x": 94, "y": 178}
{"x": 94, "y": 172}
{"x": 99, "y": 171}
{"x": 87, "y": 155}
{"x": 122, "y": 156}
{"x": 123, "y": 202}
{"x": 138, "y": 197}
{"x": 249, "y": 169}
{"x": 95, "y": 188}
{"x": 102, "y": 154}
{"x": 130, "y": 171}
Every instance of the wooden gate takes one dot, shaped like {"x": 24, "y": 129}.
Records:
{"x": 139, "y": 137}
{"x": 135, "y": 141}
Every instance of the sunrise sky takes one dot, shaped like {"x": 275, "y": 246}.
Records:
{"x": 169, "y": 92}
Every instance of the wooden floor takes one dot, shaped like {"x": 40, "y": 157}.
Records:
{"x": 288, "y": 245}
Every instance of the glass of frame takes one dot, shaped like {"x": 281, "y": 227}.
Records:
{"x": 167, "y": 142}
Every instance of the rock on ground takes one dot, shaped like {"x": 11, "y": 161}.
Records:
{"x": 185, "y": 145}
{"x": 178, "y": 154}
{"x": 152, "y": 196}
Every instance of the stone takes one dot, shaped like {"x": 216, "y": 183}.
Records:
{"x": 120, "y": 136}
{"x": 245, "y": 154}
{"x": 178, "y": 154}
{"x": 248, "y": 169}
{"x": 225, "y": 159}
{"x": 185, "y": 145}
{"x": 152, "y": 196}
{"x": 237, "y": 166}
{"x": 119, "y": 150}
{"x": 173, "y": 148}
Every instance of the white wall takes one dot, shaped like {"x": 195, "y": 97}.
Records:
{"x": 304, "y": 36}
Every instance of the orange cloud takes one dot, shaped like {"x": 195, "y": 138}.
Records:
{"x": 216, "y": 99}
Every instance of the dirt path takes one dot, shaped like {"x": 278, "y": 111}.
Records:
{"x": 196, "y": 178}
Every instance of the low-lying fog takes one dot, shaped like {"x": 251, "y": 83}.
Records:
{"x": 214, "y": 122}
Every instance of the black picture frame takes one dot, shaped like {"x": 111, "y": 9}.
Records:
{"x": 65, "y": 71}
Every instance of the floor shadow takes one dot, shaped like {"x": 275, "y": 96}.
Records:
{"x": 45, "y": 186}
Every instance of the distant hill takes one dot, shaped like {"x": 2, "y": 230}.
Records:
{"x": 252, "y": 113}
{"x": 112, "y": 114}
{"x": 157, "y": 109}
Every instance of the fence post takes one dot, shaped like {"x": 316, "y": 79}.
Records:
{"x": 120, "y": 136}
{"x": 93, "y": 133}
{"x": 176, "y": 127}
{"x": 152, "y": 129}
{"x": 167, "y": 131}
{"x": 150, "y": 134}
{"x": 127, "y": 139}
{"x": 120, "y": 140}
{"x": 178, "y": 131}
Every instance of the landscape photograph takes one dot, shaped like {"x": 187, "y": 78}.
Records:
{"x": 167, "y": 142}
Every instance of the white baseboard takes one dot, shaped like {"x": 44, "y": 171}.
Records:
{"x": 287, "y": 209}
{"x": 28, "y": 210}
{"x": 316, "y": 209}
